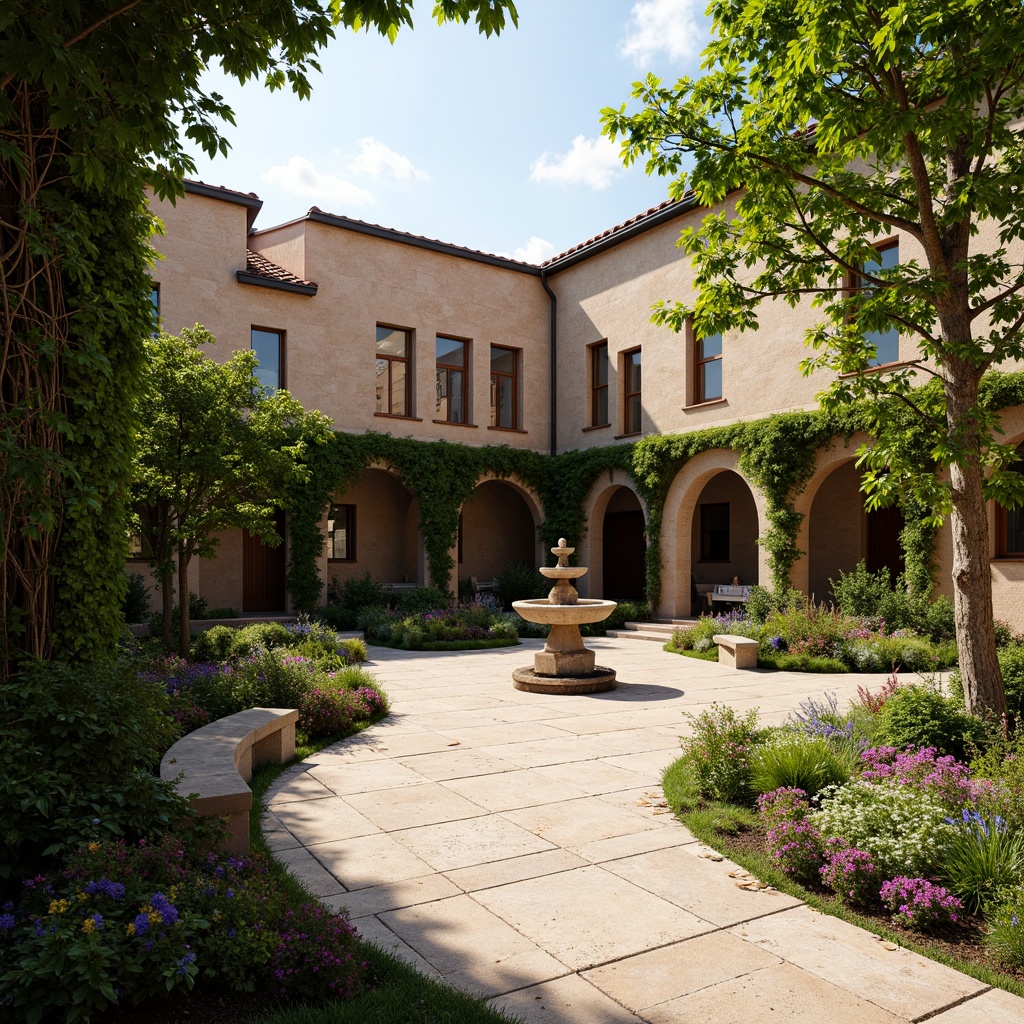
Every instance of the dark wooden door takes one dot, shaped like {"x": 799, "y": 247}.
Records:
{"x": 263, "y": 572}
{"x": 884, "y": 548}
{"x": 625, "y": 551}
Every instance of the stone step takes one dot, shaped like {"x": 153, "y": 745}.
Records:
{"x": 639, "y": 634}
{"x": 656, "y": 626}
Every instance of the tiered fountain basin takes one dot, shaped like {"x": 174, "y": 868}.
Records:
{"x": 565, "y": 665}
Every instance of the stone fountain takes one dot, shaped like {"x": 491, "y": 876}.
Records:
{"x": 565, "y": 665}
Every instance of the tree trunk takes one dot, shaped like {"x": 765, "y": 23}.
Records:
{"x": 167, "y": 607}
{"x": 184, "y": 637}
{"x": 972, "y": 579}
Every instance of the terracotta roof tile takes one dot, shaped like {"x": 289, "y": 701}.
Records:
{"x": 259, "y": 266}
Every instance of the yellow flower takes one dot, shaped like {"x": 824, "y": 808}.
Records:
{"x": 88, "y": 926}
{"x": 155, "y": 917}
{"x": 93, "y": 847}
{"x": 130, "y": 930}
{"x": 81, "y": 897}
{"x": 58, "y": 906}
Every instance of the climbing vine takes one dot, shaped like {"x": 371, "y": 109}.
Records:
{"x": 776, "y": 455}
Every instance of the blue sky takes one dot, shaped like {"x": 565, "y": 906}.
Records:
{"x": 491, "y": 143}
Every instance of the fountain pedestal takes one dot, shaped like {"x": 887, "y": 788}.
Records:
{"x": 565, "y": 665}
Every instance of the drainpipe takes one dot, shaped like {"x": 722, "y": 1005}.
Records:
{"x": 554, "y": 361}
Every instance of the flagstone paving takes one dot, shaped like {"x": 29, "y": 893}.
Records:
{"x": 517, "y": 846}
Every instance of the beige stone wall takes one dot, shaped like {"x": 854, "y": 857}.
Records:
{"x": 498, "y": 530}
{"x": 836, "y": 535}
{"x": 733, "y": 490}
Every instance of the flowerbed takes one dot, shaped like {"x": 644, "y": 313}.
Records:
{"x": 470, "y": 625}
{"x": 907, "y": 833}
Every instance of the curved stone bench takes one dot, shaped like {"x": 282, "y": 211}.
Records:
{"x": 215, "y": 764}
{"x": 736, "y": 651}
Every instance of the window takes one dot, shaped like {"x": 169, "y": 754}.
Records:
{"x": 452, "y": 364}
{"x": 393, "y": 380}
{"x": 714, "y": 532}
{"x": 599, "y": 384}
{"x": 154, "y": 299}
{"x": 631, "y": 391}
{"x": 341, "y": 533}
{"x": 887, "y": 342}
{"x": 269, "y": 348}
{"x": 139, "y": 548}
{"x": 709, "y": 368}
{"x": 504, "y": 388}
{"x": 1010, "y": 526}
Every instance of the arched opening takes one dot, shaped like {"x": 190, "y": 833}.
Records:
{"x": 624, "y": 547}
{"x": 498, "y": 529}
{"x": 723, "y": 535}
{"x": 374, "y": 527}
{"x": 841, "y": 532}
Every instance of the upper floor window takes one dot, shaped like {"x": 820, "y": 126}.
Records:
{"x": 504, "y": 387}
{"x": 394, "y": 349}
{"x": 268, "y": 345}
{"x": 154, "y": 300}
{"x": 631, "y": 391}
{"x": 452, "y": 358}
{"x": 887, "y": 342}
{"x": 708, "y": 385}
{"x": 341, "y": 533}
{"x": 599, "y": 384}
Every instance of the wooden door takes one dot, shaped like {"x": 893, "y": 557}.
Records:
{"x": 263, "y": 572}
{"x": 884, "y": 548}
{"x": 624, "y": 554}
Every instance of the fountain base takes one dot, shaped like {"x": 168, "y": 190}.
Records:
{"x": 599, "y": 680}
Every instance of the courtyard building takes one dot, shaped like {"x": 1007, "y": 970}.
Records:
{"x": 397, "y": 334}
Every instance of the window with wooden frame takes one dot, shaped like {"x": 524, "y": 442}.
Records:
{"x": 504, "y": 388}
{"x": 631, "y": 392}
{"x": 708, "y": 363}
{"x": 154, "y": 301}
{"x": 341, "y": 533}
{"x": 452, "y": 363}
{"x": 1010, "y": 525}
{"x": 599, "y": 385}
{"x": 887, "y": 342}
{"x": 393, "y": 370}
{"x": 268, "y": 346}
{"x": 714, "y": 532}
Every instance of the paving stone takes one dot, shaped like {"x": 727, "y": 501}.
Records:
{"x": 455, "y": 763}
{"x": 515, "y": 869}
{"x": 780, "y": 993}
{"x": 294, "y": 787}
{"x": 588, "y": 916}
{"x": 372, "y": 930}
{"x": 407, "y": 892}
{"x": 366, "y": 861}
{"x": 458, "y": 844}
{"x": 501, "y": 732}
{"x": 301, "y": 864}
{"x": 670, "y": 972}
{"x": 322, "y": 821}
{"x": 703, "y": 887}
{"x": 569, "y": 1000}
{"x": 538, "y": 753}
{"x": 410, "y": 806}
{"x": 900, "y": 981}
{"x": 573, "y": 824}
{"x": 595, "y": 776}
{"x": 414, "y": 743}
{"x": 343, "y": 780}
{"x": 992, "y": 1007}
{"x": 526, "y": 787}
{"x": 647, "y": 841}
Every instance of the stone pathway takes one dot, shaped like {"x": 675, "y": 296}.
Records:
{"x": 517, "y": 846}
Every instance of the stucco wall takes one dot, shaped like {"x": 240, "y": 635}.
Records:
{"x": 743, "y": 530}
{"x": 498, "y": 530}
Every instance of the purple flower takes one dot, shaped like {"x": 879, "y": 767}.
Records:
{"x": 105, "y": 887}
{"x": 6, "y": 922}
{"x": 141, "y": 923}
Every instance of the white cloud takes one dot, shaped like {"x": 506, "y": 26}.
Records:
{"x": 301, "y": 178}
{"x": 593, "y": 162}
{"x": 536, "y": 250}
{"x": 378, "y": 161}
{"x": 664, "y": 26}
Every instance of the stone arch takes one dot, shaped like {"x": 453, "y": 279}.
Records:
{"x": 680, "y": 528}
{"x": 499, "y": 525}
{"x": 616, "y": 492}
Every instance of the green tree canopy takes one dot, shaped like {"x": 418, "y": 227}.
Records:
{"x": 215, "y": 452}
{"x": 834, "y": 126}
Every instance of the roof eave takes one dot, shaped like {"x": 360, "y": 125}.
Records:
{"x": 269, "y": 282}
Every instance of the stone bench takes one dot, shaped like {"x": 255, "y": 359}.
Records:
{"x": 216, "y": 763}
{"x": 736, "y": 651}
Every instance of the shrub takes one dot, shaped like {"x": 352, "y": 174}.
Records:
{"x": 860, "y": 592}
{"x": 521, "y": 582}
{"x": 874, "y": 702}
{"x": 421, "y": 599}
{"x": 135, "y": 603}
{"x": 1006, "y": 930}
{"x": 904, "y": 829}
{"x": 353, "y": 596}
{"x": 1003, "y": 763}
{"x": 317, "y": 956}
{"x": 213, "y": 644}
{"x": 850, "y": 873}
{"x": 325, "y": 711}
{"x": 503, "y": 629}
{"x": 259, "y": 636}
{"x": 718, "y": 753}
{"x": 698, "y": 637}
{"x": 270, "y": 679}
{"x": 1011, "y": 661}
{"x": 919, "y": 903}
{"x": 797, "y": 848}
{"x": 944, "y": 777}
{"x": 782, "y": 805}
{"x": 983, "y": 858}
{"x": 79, "y": 745}
{"x": 920, "y": 716}
{"x": 799, "y": 761}
{"x": 354, "y": 650}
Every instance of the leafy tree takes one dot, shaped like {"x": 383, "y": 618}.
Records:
{"x": 835, "y": 125}
{"x": 97, "y": 99}
{"x": 215, "y": 452}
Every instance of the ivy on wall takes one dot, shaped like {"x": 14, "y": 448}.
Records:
{"x": 776, "y": 455}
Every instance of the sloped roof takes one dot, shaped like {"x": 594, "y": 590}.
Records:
{"x": 261, "y": 271}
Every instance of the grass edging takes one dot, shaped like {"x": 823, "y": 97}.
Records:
{"x": 400, "y": 994}
{"x": 711, "y": 822}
